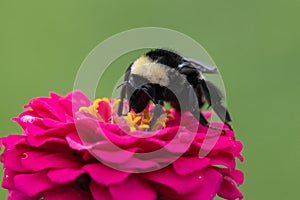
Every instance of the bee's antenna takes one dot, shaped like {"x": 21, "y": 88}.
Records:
{"x": 125, "y": 82}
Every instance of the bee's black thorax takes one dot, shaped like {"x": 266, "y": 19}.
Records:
{"x": 165, "y": 57}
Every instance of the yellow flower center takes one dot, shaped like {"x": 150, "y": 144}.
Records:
{"x": 135, "y": 121}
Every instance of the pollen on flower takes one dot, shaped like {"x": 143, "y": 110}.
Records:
{"x": 91, "y": 109}
{"x": 106, "y": 110}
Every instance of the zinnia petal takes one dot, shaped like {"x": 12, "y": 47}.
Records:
{"x": 72, "y": 101}
{"x": 33, "y": 184}
{"x": 100, "y": 192}
{"x": 8, "y": 179}
{"x": 209, "y": 188}
{"x": 184, "y": 166}
{"x": 12, "y": 159}
{"x": 132, "y": 189}
{"x": 229, "y": 190}
{"x": 37, "y": 161}
{"x": 105, "y": 175}
{"x": 17, "y": 195}
{"x": 66, "y": 193}
{"x": 64, "y": 175}
{"x": 180, "y": 184}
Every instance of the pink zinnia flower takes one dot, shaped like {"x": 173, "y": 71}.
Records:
{"x": 95, "y": 154}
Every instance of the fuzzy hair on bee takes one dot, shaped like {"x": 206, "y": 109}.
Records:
{"x": 155, "y": 72}
{"x": 164, "y": 76}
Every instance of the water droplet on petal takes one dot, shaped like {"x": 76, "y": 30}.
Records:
{"x": 24, "y": 156}
{"x": 28, "y": 118}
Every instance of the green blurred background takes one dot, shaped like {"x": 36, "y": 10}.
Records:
{"x": 255, "y": 44}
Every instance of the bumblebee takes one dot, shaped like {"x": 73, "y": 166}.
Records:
{"x": 164, "y": 76}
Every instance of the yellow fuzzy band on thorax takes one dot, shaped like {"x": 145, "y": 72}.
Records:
{"x": 152, "y": 71}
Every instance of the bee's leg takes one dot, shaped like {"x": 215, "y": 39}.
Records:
{"x": 123, "y": 90}
{"x": 194, "y": 109}
{"x": 200, "y": 117}
{"x": 157, "y": 112}
{"x": 203, "y": 121}
{"x": 214, "y": 98}
{"x": 122, "y": 96}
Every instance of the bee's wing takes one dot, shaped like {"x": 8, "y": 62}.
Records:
{"x": 201, "y": 66}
